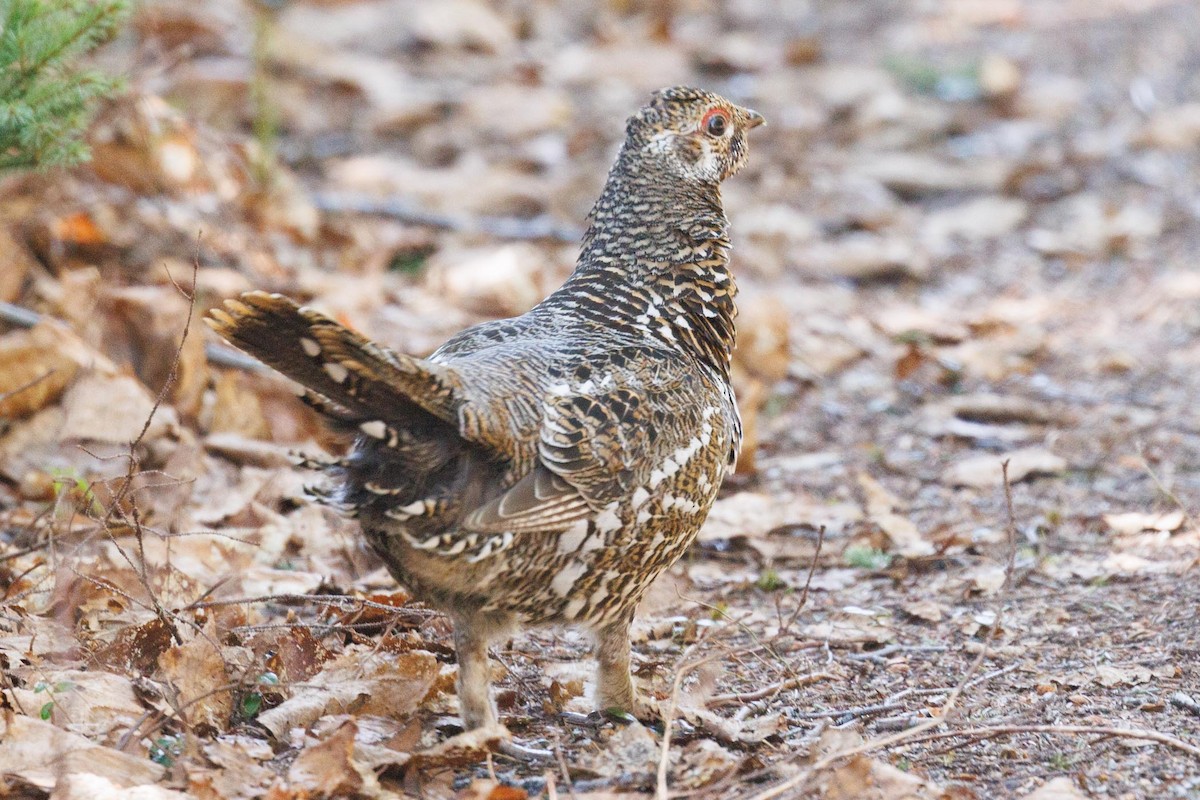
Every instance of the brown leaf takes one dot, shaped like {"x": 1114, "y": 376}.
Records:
{"x": 36, "y": 365}
{"x": 145, "y": 324}
{"x": 1135, "y": 522}
{"x": 112, "y": 409}
{"x": 927, "y": 610}
{"x": 849, "y": 629}
{"x": 293, "y": 654}
{"x": 630, "y": 748}
{"x": 328, "y": 769}
{"x": 87, "y": 786}
{"x": 1001, "y": 409}
{"x": 923, "y": 174}
{"x": 496, "y": 281}
{"x": 197, "y": 671}
{"x": 90, "y": 703}
{"x": 136, "y": 648}
{"x": 754, "y": 514}
{"x": 864, "y": 778}
{"x": 984, "y": 472}
{"x": 469, "y": 747}
{"x": 882, "y": 506}
{"x": 1060, "y": 788}
{"x": 483, "y": 789}
{"x": 15, "y": 263}
{"x": 42, "y": 753}
{"x": 239, "y": 772}
{"x": 1109, "y": 676}
{"x": 358, "y": 682}
{"x": 862, "y": 256}
{"x": 701, "y": 762}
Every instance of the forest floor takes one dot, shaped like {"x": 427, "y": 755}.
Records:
{"x": 968, "y": 237}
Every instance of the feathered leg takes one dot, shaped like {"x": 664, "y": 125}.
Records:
{"x": 614, "y": 685}
{"x": 472, "y": 635}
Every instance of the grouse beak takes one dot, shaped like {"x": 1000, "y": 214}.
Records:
{"x": 753, "y": 118}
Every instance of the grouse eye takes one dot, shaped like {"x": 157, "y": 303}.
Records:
{"x": 715, "y": 123}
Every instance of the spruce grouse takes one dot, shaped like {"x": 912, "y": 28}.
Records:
{"x": 545, "y": 469}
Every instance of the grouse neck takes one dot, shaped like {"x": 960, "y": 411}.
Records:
{"x": 655, "y": 260}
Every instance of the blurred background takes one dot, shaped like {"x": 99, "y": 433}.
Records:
{"x": 970, "y": 231}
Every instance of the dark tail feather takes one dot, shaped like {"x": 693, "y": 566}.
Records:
{"x": 347, "y": 378}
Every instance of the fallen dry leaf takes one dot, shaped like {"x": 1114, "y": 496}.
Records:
{"x": 984, "y": 471}
{"x": 754, "y": 514}
{"x": 701, "y": 762}
{"x": 927, "y": 610}
{"x": 329, "y": 770}
{"x": 111, "y": 409}
{"x": 864, "y": 778}
{"x": 87, "y": 786}
{"x": 358, "y": 682}
{"x": 1108, "y": 675}
{"x": 1060, "y": 788}
{"x": 503, "y": 281}
{"x": 198, "y": 670}
{"x": 630, "y": 748}
{"x": 469, "y": 747}
{"x": 1135, "y": 521}
{"x": 92, "y": 704}
{"x": 848, "y": 629}
{"x": 36, "y": 365}
{"x": 42, "y": 753}
{"x": 882, "y": 509}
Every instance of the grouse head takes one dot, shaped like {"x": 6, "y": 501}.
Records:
{"x": 691, "y": 134}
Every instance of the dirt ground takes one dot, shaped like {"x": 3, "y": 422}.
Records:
{"x": 968, "y": 236}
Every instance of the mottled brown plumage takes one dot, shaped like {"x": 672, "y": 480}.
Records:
{"x": 546, "y": 468}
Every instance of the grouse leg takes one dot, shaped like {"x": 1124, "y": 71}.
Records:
{"x": 472, "y": 635}
{"x": 614, "y": 685}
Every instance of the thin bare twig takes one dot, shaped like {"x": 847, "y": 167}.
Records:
{"x": 812, "y": 567}
{"x": 684, "y": 669}
{"x": 916, "y": 692}
{"x": 880, "y": 656}
{"x": 1162, "y": 487}
{"x": 562, "y": 766}
{"x": 27, "y": 385}
{"x": 718, "y": 700}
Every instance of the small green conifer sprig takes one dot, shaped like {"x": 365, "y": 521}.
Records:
{"x": 45, "y": 97}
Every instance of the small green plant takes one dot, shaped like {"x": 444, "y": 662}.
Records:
{"x": 252, "y": 701}
{"x": 770, "y": 581}
{"x": 45, "y": 97}
{"x": 166, "y": 749}
{"x": 919, "y": 338}
{"x": 1059, "y": 762}
{"x": 954, "y": 84}
{"x": 866, "y": 557}
{"x": 68, "y": 482}
{"x": 620, "y": 715}
{"x": 410, "y": 262}
{"x": 51, "y": 690}
{"x": 719, "y": 611}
